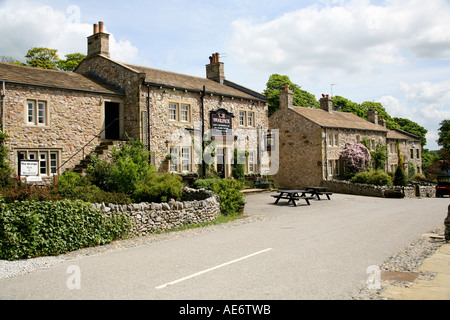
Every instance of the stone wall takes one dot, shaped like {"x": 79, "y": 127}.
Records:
{"x": 200, "y": 206}
{"x": 123, "y": 79}
{"x": 300, "y": 150}
{"x": 73, "y": 118}
{"x": 341, "y": 186}
{"x": 166, "y": 133}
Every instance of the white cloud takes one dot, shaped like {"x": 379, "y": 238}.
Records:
{"x": 27, "y": 24}
{"x": 425, "y": 103}
{"x": 351, "y": 36}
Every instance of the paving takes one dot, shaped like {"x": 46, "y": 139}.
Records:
{"x": 437, "y": 288}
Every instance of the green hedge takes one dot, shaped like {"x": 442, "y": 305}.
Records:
{"x": 38, "y": 228}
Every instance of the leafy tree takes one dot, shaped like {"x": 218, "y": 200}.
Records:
{"x": 444, "y": 141}
{"x": 412, "y": 127}
{"x": 11, "y": 60}
{"x": 382, "y": 114}
{"x": 43, "y": 58}
{"x": 345, "y": 105}
{"x": 71, "y": 62}
{"x": 444, "y": 134}
{"x": 399, "y": 175}
{"x": 275, "y": 85}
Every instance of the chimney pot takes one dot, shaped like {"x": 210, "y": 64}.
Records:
{"x": 100, "y": 26}
{"x": 95, "y": 28}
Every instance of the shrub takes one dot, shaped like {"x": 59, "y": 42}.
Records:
{"x": 19, "y": 191}
{"x": 159, "y": 187}
{"x": 129, "y": 165}
{"x": 30, "y": 228}
{"x": 206, "y": 183}
{"x": 375, "y": 177}
{"x": 356, "y": 157}
{"x": 231, "y": 197}
{"x": 72, "y": 185}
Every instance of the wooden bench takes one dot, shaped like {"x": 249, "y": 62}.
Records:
{"x": 294, "y": 198}
{"x": 318, "y": 191}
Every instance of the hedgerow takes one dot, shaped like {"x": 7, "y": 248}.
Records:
{"x": 37, "y": 228}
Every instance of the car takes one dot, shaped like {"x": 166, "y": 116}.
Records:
{"x": 443, "y": 185}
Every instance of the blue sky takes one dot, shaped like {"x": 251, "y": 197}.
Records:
{"x": 396, "y": 52}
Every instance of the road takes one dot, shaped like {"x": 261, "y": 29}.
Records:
{"x": 321, "y": 251}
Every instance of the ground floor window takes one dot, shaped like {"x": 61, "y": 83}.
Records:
{"x": 48, "y": 160}
{"x": 180, "y": 159}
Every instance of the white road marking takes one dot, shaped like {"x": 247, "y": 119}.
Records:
{"x": 211, "y": 269}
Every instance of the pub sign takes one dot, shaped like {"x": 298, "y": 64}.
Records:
{"x": 221, "y": 120}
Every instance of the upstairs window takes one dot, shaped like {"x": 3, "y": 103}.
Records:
{"x": 36, "y": 113}
{"x": 179, "y": 112}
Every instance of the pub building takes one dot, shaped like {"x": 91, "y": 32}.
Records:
{"x": 58, "y": 118}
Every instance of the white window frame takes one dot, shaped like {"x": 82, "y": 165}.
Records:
{"x": 49, "y": 160}
{"x": 251, "y": 163}
{"x": 247, "y": 119}
{"x": 330, "y": 168}
{"x": 180, "y": 159}
{"x": 36, "y": 112}
{"x": 180, "y": 112}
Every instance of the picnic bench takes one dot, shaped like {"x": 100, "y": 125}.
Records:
{"x": 318, "y": 191}
{"x": 292, "y": 196}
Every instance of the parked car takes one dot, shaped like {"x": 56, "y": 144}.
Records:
{"x": 443, "y": 185}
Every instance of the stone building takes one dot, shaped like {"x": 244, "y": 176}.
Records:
{"x": 49, "y": 115}
{"x": 311, "y": 140}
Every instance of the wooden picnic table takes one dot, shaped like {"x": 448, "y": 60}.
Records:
{"x": 318, "y": 191}
{"x": 292, "y": 196}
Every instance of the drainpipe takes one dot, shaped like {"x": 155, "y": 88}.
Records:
{"x": 148, "y": 121}
{"x": 3, "y": 106}
{"x": 326, "y": 154}
{"x": 203, "y": 130}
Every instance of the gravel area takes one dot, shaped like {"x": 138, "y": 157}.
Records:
{"x": 407, "y": 261}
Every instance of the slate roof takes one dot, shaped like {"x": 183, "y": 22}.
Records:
{"x": 401, "y": 135}
{"x": 52, "y": 79}
{"x": 337, "y": 119}
{"x": 192, "y": 83}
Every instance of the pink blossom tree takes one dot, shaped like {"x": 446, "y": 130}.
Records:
{"x": 356, "y": 157}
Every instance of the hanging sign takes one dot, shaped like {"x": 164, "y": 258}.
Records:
{"x": 221, "y": 120}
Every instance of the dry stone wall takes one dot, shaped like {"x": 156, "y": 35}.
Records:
{"x": 341, "y": 186}
{"x": 200, "y": 206}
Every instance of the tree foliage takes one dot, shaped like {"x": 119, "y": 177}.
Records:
{"x": 45, "y": 58}
{"x": 276, "y": 83}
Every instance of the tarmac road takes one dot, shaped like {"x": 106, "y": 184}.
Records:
{"x": 321, "y": 251}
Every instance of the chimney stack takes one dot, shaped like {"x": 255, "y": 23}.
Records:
{"x": 286, "y": 98}
{"x": 372, "y": 116}
{"x": 98, "y": 43}
{"x": 215, "y": 69}
{"x": 326, "y": 103}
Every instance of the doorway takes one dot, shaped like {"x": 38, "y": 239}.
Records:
{"x": 112, "y": 122}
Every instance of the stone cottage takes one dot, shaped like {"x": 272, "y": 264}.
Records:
{"x": 176, "y": 116}
{"x": 312, "y": 140}
{"x": 49, "y": 115}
